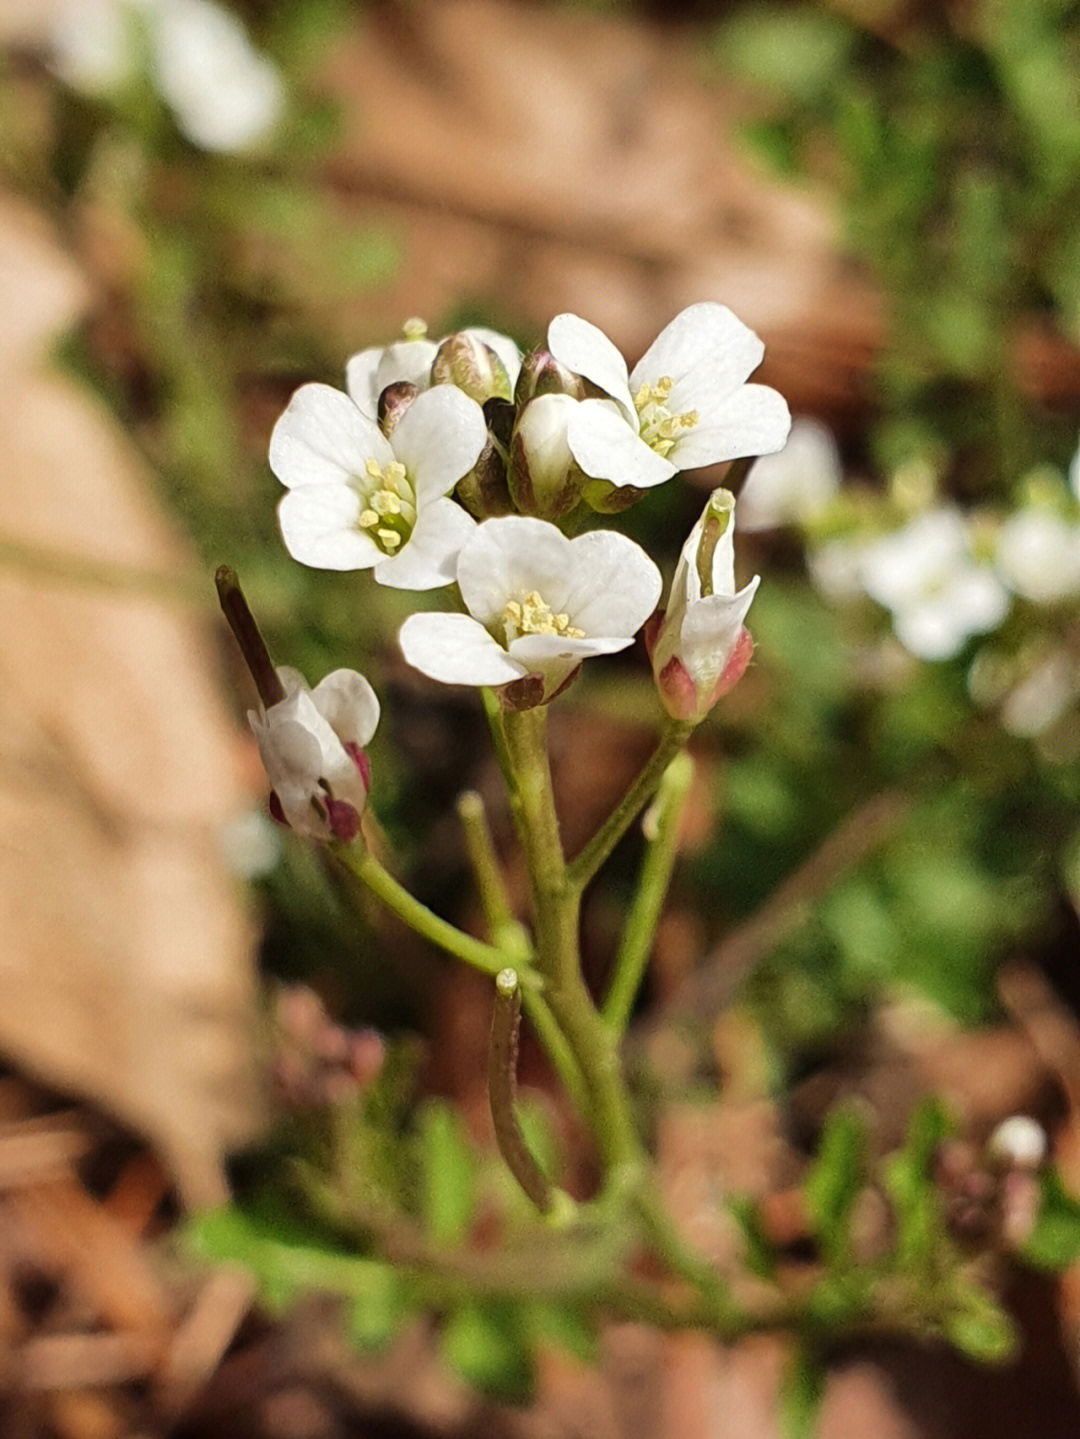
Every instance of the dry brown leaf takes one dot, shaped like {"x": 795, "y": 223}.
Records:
{"x": 126, "y": 971}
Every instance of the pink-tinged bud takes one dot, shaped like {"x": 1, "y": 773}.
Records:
{"x": 699, "y": 647}
{"x": 393, "y": 402}
{"x": 360, "y": 760}
{"x": 465, "y": 361}
{"x": 541, "y": 374}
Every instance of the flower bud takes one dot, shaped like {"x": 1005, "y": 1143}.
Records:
{"x": 699, "y": 648}
{"x": 541, "y": 374}
{"x": 483, "y": 491}
{"x": 608, "y": 499}
{"x": 544, "y": 477}
{"x": 465, "y": 361}
{"x": 393, "y": 402}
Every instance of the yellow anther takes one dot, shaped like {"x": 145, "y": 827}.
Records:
{"x": 368, "y": 519}
{"x": 373, "y": 469}
{"x": 657, "y": 426}
{"x": 533, "y": 616}
{"x": 391, "y": 540}
{"x": 388, "y": 504}
{"x": 414, "y": 329}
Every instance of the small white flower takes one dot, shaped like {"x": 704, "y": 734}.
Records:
{"x": 1038, "y": 555}
{"x": 1019, "y": 1142}
{"x": 369, "y": 371}
{"x": 794, "y": 485}
{"x": 700, "y": 649}
{"x": 312, "y": 746}
{"x": 835, "y": 568}
{"x": 538, "y": 604}
{"x": 92, "y": 44}
{"x": 1042, "y": 697}
{"x": 685, "y": 404}
{"x": 938, "y": 592}
{"x": 224, "y": 94}
{"x": 359, "y": 501}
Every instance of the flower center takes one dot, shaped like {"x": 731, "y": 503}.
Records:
{"x": 659, "y": 428}
{"x": 533, "y": 617}
{"x": 389, "y": 512}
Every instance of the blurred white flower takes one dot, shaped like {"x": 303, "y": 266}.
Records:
{"x": 312, "y": 746}
{"x": 1038, "y": 555}
{"x": 250, "y": 844}
{"x": 368, "y": 372}
{"x": 538, "y": 604}
{"x": 1042, "y": 696}
{"x": 1019, "y": 1142}
{"x": 224, "y": 95}
{"x": 835, "y": 568}
{"x": 700, "y": 648}
{"x": 938, "y": 592}
{"x": 794, "y": 485}
{"x": 359, "y": 501}
{"x": 685, "y": 404}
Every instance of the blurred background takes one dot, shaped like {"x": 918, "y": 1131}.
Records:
{"x": 203, "y": 206}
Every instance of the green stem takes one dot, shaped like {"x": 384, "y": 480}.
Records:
{"x": 637, "y": 941}
{"x": 584, "y": 866}
{"x": 367, "y": 869}
{"x": 557, "y": 1049}
{"x": 556, "y": 909}
{"x": 504, "y": 928}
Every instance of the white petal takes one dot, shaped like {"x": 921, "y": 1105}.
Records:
{"x": 349, "y": 705}
{"x": 509, "y": 557}
{"x": 587, "y": 351}
{"x": 706, "y": 344}
{"x": 898, "y": 568}
{"x": 930, "y": 630}
{"x": 439, "y": 439}
{"x": 360, "y": 372}
{"x": 796, "y": 483}
{"x": 430, "y": 556}
{"x": 323, "y": 439}
{"x": 754, "y": 420}
{"x": 607, "y": 448}
{"x": 318, "y": 525}
{"x": 1038, "y": 553}
{"x": 709, "y": 631}
{"x": 979, "y": 599}
{"x": 456, "y": 650}
{"x": 614, "y": 585}
{"x": 539, "y": 652}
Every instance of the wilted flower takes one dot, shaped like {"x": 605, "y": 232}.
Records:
{"x": 926, "y": 573}
{"x": 538, "y": 604}
{"x": 700, "y": 649}
{"x": 312, "y": 746}
{"x": 794, "y": 485}
{"x": 489, "y": 362}
{"x": 360, "y": 501}
{"x": 685, "y": 404}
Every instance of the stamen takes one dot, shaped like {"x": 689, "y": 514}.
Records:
{"x": 389, "y": 504}
{"x": 658, "y": 427}
{"x": 533, "y": 616}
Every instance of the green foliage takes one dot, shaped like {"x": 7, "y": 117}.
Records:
{"x": 486, "y": 1346}
{"x": 834, "y": 1182}
{"x": 1054, "y": 1243}
{"x": 448, "y": 1174}
{"x": 915, "y": 1201}
{"x": 801, "y": 1393}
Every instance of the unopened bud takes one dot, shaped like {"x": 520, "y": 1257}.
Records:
{"x": 545, "y": 479}
{"x": 541, "y": 374}
{"x": 472, "y": 366}
{"x": 608, "y": 499}
{"x": 484, "y": 491}
{"x": 393, "y": 402}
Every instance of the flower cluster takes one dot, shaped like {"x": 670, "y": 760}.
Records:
{"x": 462, "y": 462}
{"x": 224, "y": 95}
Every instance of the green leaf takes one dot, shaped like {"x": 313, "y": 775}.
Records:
{"x": 566, "y": 1327}
{"x": 835, "y": 1181}
{"x": 484, "y": 1345}
{"x": 1054, "y": 1243}
{"x": 797, "y": 52}
{"x": 377, "y": 1309}
{"x": 448, "y": 1173}
{"x": 759, "y": 1253}
{"x": 909, "y": 1179}
{"x": 980, "y": 1328}
{"x": 801, "y": 1393}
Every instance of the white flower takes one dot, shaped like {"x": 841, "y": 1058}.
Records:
{"x": 939, "y": 594}
{"x": 685, "y": 404}
{"x": 92, "y": 44}
{"x": 224, "y": 94}
{"x": 369, "y": 372}
{"x": 700, "y": 648}
{"x": 835, "y": 567}
{"x": 538, "y": 604}
{"x": 1042, "y": 697}
{"x": 1019, "y": 1142}
{"x": 312, "y": 744}
{"x": 794, "y": 485}
{"x": 359, "y": 501}
{"x": 1038, "y": 555}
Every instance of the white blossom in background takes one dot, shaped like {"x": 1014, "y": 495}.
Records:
{"x": 1038, "y": 555}
{"x": 357, "y": 500}
{"x": 224, "y": 94}
{"x": 312, "y": 747}
{"x": 685, "y": 404}
{"x": 927, "y": 575}
{"x": 794, "y": 485}
{"x": 700, "y": 648}
{"x": 835, "y": 569}
{"x": 1019, "y": 1142}
{"x": 538, "y": 604}
{"x": 368, "y": 372}
{"x": 1042, "y": 697}
{"x": 251, "y": 844}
